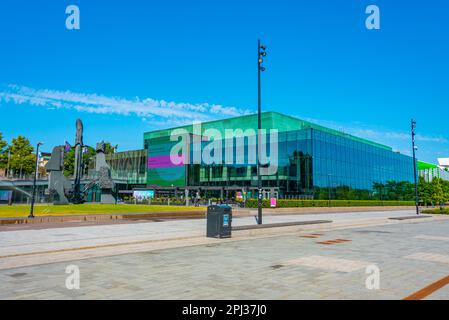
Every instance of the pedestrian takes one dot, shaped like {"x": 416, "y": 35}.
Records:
{"x": 197, "y": 199}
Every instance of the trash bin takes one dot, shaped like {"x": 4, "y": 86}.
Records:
{"x": 219, "y": 221}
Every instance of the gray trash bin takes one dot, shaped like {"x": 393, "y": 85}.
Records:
{"x": 219, "y": 221}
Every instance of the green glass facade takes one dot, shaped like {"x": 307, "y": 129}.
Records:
{"x": 430, "y": 171}
{"x": 128, "y": 167}
{"x": 310, "y": 156}
{"x": 160, "y": 172}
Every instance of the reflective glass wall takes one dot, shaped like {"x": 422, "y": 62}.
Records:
{"x": 128, "y": 167}
{"x": 339, "y": 161}
{"x": 311, "y": 158}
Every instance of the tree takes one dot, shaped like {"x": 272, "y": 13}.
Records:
{"x": 424, "y": 192}
{"x": 3, "y": 152}
{"x": 378, "y": 191}
{"x": 88, "y": 157}
{"x": 109, "y": 148}
{"x": 393, "y": 190}
{"x": 69, "y": 160}
{"x": 437, "y": 195}
{"x": 69, "y": 163}
{"x": 445, "y": 186}
{"x": 22, "y": 157}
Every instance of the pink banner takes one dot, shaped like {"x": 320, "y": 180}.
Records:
{"x": 163, "y": 162}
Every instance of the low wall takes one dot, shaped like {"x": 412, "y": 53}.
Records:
{"x": 311, "y": 210}
{"x": 104, "y": 217}
{"x": 237, "y": 212}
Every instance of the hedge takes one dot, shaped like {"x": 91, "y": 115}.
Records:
{"x": 437, "y": 211}
{"x": 288, "y": 203}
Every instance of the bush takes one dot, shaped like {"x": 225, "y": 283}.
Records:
{"x": 287, "y": 203}
{"x": 437, "y": 211}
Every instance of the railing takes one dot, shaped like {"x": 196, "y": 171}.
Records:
{"x": 27, "y": 177}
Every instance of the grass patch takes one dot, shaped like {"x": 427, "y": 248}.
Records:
{"x": 436, "y": 211}
{"x": 72, "y": 209}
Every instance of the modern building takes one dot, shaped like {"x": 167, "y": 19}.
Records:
{"x": 430, "y": 171}
{"x": 443, "y": 163}
{"x": 128, "y": 170}
{"x": 310, "y": 157}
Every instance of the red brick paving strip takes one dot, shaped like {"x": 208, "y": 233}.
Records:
{"x": 424, "y": 292}
{"x": 334, "y": 241}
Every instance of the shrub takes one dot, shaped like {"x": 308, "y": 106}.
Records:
{"x": 437, "y": 211}
{"x": 292, "y": 203}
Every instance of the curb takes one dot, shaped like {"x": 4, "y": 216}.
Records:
{"x": 280, "y": 224}
{"x": 103, "y": 217}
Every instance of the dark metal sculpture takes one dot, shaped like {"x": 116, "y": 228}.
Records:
{"x": 61, "y": 187}
{"x": 76, "y": 195}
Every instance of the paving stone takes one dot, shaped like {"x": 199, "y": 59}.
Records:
{"x": 244, "y": 269}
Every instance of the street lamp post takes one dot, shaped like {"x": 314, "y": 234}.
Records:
{"x": 9, "y": 161}
{"x": 34, "y": 180}
{"x": 261, "y": 53}
{"x": 414, "y": 148}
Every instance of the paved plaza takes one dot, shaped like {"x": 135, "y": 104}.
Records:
{"x": 173, "y": 259}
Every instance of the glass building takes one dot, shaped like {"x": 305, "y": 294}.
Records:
{"x": 127, "y": 167}
{"x": 309, "y": 157}
{"x": 430, "y": 171}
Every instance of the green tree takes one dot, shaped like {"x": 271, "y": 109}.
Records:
{"x": 378, "y": 189}
{"x": 109, "y": 148}
{"x": 424, "y": 192}
{"x": 342, "y": 193}
{"x": 88, "y": 157}
{"x": 22, "y": 157}
{"x": 394, "y": 190}
{"x": 321, "y": 193}
{"x": 445, "y": 186}
{"x": 3, "y": 152}
{"x": 391, "y": 190}
{"x": 437, "y": 194}
{"x": 69, "y": 161}
{"x": 407, "y": 190}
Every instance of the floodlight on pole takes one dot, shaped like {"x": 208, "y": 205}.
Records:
{"x": 414, "y": 148}
{"x": 36, "y": 171}
{"x": 261, "y": 52}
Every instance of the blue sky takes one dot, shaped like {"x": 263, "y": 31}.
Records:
{"x": 136, "y": 66}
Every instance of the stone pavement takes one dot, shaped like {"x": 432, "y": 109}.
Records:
{"x": 16, "y": 247}
{"x": 290, "y": 263}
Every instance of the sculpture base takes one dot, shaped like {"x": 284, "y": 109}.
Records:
{"x": 107, "y": 198}
{"x": 60, "y": 203}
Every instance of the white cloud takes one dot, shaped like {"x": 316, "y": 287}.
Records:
{"x": 162, "y": 113}
{"x": 165, "y": 111}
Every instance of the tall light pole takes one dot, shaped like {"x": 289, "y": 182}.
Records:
{"x": 261, "y": 53}
{"x": 36, "y": 170}
{"x": 414, "y": 148}
{"x": 9, "y": 161}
